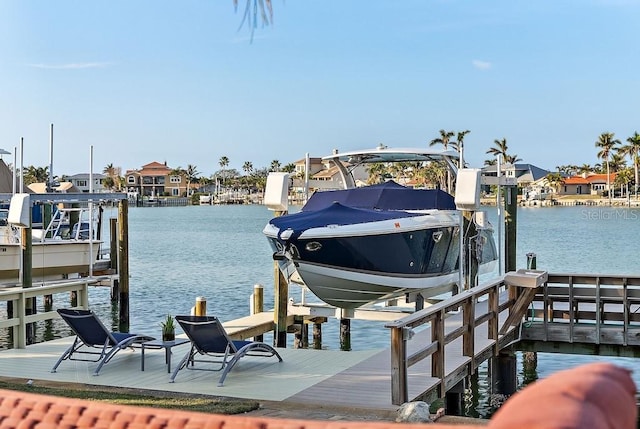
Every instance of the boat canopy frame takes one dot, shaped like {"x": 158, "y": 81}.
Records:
{"x": 385, "y": 154}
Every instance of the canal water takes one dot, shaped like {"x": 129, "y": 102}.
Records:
{"x": 219, "y": 252}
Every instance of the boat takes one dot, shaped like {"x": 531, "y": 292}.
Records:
{"x": 362, "y": 245}
{"x": 61, "y": 248}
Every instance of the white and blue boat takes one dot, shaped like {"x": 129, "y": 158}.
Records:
{"x": 361, "y": 245}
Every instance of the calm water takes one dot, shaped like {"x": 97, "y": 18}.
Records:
{"x": 219, "y": 252}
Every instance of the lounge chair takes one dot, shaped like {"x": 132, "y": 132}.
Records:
{"x": 94, "y": 339}
{"x": 209, "y": 338}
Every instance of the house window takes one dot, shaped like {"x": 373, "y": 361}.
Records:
{"x": 82, "y": 183}
{"x": 175, "y": 192}
{"x": 131, "y": 180}
{"x": 175, "y": 179}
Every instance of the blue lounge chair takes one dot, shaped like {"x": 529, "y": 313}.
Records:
{"x": 209, "y": 338}
{"x": 94, "y": 339}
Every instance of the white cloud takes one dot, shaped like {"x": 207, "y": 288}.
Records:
{"x": 481, "y": 65}
{"x": 70, "y": 66}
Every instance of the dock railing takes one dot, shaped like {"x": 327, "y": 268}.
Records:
{"x": 433, "y": 317}
{"x": 19, "y": 297}
{"x": 586, "y": 308}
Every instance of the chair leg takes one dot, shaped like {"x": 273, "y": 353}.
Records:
{"x": 77, "y": 344}
{"x": 64, "y": 356}
{"x": 183, "y": 362}
{"x": 228, "y": 367}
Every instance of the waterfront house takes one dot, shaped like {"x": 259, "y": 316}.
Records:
{"x": 81, "y": 182}
{"x": 529, "y": 177}
{"x": 322, "y": 177}
{"x": 155, "y": 179}
{"x": 587, "y": 184}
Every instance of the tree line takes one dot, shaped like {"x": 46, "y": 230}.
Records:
{"x": 612, "y": 151}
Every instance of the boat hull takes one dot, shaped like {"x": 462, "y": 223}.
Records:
{"x": 52, "y": 259}
{"x": 352, "y": 289}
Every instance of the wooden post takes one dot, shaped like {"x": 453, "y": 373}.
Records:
{"x": 454, "y": 399}
{"x": 530, "y": 359}
{"x": 511, "y": 210}
{"x": 399, "y": 388}
{"x": 200, "y": 308}
{"x": 297, "y": 332}
{"x": 317, "y": 334}
{"x": 504, "y": 373}
{"x": 123, "y": 263}
{"x": 305, "y": 334}
{"x": 113, "y": 244}
{"x": 257, "y": 305}
{"x": 280, "y": 311}
{"x": 438, "y": 357}
{"x": 281, "y": 301}
{"x": 345, "y": 334}
{"x": 115, "y": 291}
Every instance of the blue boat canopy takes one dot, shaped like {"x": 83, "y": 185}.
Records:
{"x": 385, "y": 196}
{"x": 359, "y": 205}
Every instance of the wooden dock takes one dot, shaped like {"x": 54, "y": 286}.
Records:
{"x": 430, "y": 351}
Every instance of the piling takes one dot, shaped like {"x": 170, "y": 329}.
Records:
{"x": 317, "y": 332}
{"x": 511, "y": 210}
{"x": 504, "y": 373}
{"x": 257, "y": 304}
{"x": 280, "y": 307}
{"x": 200, "y": 308}
{"x": 454, "y": 399}
{"x": 123, "y": 263}
{"x": 113, "y": 244}
{"x": 530, "y": 359}
{"x": 345, "y": 334}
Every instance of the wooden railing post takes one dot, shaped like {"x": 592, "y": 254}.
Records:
{"x": 494, "y": 309}
{"x": 438, "y": 357}
{"x": 399, "y": 388}
{"x": 469, "y": 321}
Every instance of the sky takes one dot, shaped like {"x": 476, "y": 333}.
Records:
{"x": 183, "y": 82}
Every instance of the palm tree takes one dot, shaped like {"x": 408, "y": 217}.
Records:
{"x": 585, "y": 168}
{"x": 247, "y": 167}
{"x": 444, "y": 138}
{"x": 275, "y": 165}
{"x": 250, "y": 16}
{"x": 191, "y": 174}
{"x": 633, "y": 151}
{"x": 459, "y": 143}
{"x": 500, "y": 149}
{"x": 113, "y": 176}
{"x": 36, "y": 175}
{"x": 377, "y": 172}
{"x": 623, "y": 178}
{"x": 224, "y": 163}
{"x": 617, "y": 162}
{"x": 555, "y": 180}
{"x": 606, "y": 143}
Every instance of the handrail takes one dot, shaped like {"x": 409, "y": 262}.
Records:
{"x": 576, "y": 301}
{"x": 434, "y": 316}
{"x": 19, "y": 296}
